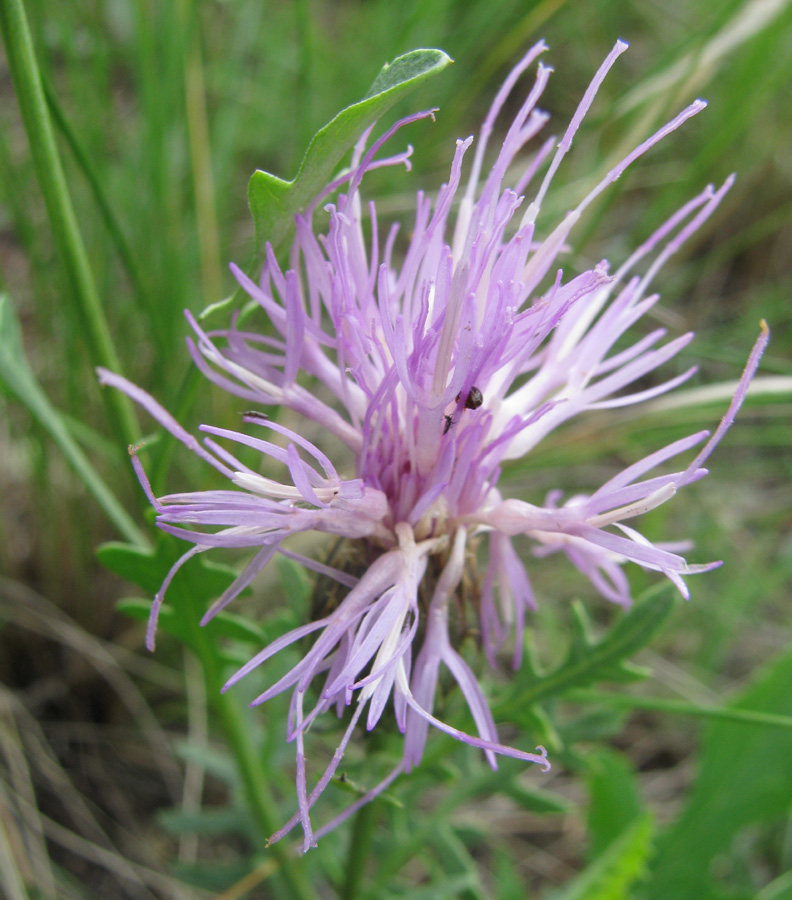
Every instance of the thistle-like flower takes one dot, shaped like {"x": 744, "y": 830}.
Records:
{"x": 432, "y": 369}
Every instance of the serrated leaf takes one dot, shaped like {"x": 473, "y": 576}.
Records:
{"x": 133, "y": 564}
{"x": 147, "y": 568}
{"x": 192, "y": 590}
{"x": 582, "y": 642}
{"x": 612, "y": 874}
{"x": 273, "y": 201}
{"x": 589, "y": 662}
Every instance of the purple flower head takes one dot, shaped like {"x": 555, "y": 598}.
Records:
{"x": 432, "y": 368}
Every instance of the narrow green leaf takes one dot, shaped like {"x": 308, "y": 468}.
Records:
{"x": 451, "y": 887}
{"x": 534, "y": 800}
{"x": 210, "y": 822}
{"x": 504, "y": 781}
{"x": 217, "y": 762}
{"x": 612, "y": 874}
{"x": 590, "y": 723}
{"x": 535, "y": 721}
{"x": 24, "y": 70}
{"x": 744, "y": 777}
{"x": 778, "y": 889}
{"x": 614, "y": 798}
{"x": 589, "y": 662}
{"x": 347, "y": 785}
{"x": 17, "y": 378}
{"x": 213, "y": 875}
{"x": 113, "y": 226}
{"x": 680, "y": 707}
{"x": 508, "y": 879}
{"x": 274, "y": 201}
{"x": 454, "y": 857}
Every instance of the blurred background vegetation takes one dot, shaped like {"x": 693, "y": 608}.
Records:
{"x": 162, "y": 112}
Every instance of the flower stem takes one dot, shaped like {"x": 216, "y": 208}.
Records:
{"x": 259, "y": 797}
{"x": 248, "y": 761}
{"x": 359, "y": 848}
{"x": 52, "y": 181}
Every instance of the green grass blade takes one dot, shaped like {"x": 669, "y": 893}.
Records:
{"x": 109, "y": 217}
{"x": 17, "y": 378}
{"x": 52, "y": 181}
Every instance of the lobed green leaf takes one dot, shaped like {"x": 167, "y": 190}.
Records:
{"x": 589, "y": 661}
{"x": 201, "y": 580}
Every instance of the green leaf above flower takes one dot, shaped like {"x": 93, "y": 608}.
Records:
{"x": 274, "y": 201}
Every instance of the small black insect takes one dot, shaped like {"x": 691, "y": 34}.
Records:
{"x": 474, "y": 398}
{"x": 448, "y": 423}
